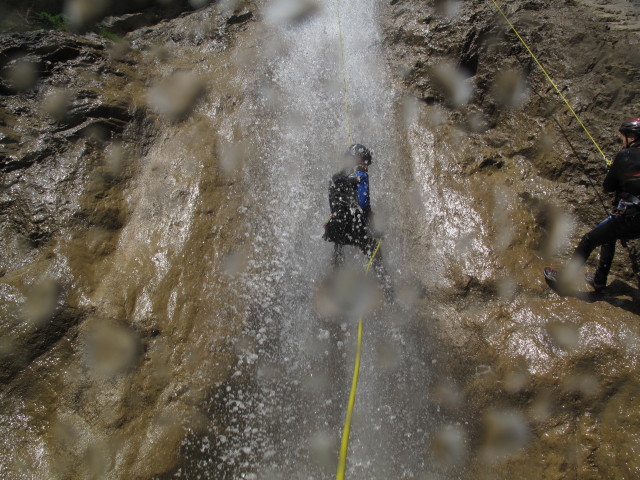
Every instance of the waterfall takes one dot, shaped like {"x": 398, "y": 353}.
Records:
{"x": 282, "y": 413}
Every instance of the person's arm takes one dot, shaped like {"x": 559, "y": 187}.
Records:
{"x": 610, "y": 183}
{"x": 363, "y": 191}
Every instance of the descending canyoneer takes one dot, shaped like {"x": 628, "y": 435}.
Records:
{"x": 350, "y": 222}
{"x": 623, "y": 223}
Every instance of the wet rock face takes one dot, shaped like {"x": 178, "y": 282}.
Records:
{"x": 124, "y": 223}
{"x": 541, "y": 375}
{"x": 105, "y": 180}
{"x": 54, "y": 126}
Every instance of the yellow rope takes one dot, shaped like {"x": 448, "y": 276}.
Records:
{"x": 344, "y": 77}
{"x": 552, "y": 83}
{"x": 344, "y": 447}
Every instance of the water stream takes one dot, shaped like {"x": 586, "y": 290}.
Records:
{"x": 281, "y": 415}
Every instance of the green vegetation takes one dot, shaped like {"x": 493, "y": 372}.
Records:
{"x": 55, "y": 22}
{"x": 61, "y": 22}
{"x": 108, "y": 35}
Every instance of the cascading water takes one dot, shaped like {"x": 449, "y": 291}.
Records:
{"x": 282, "y": 413}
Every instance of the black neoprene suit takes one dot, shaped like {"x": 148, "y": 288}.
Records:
{"x": 623, "y": 178}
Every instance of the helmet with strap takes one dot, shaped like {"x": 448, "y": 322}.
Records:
{"x": 631, "y": 128}
{"x": 360, "y": 151}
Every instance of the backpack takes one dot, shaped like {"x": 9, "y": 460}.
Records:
{"x": 345, "y": 224}
{"x": 343, "y": 192}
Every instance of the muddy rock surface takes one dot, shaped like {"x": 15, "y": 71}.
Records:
{"x": 100, "y": 166}
{"x": 540, "y": 375}
{"x": 159, "y": 275}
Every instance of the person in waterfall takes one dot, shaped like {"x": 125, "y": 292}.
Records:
{"x": 350, "y": 222}
{"x": 622, "y": 179}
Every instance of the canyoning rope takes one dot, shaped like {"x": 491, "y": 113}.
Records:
{"x": 344, "y": 77}
{"x": 344, "y": 446}
{"x": 553, "y": 84}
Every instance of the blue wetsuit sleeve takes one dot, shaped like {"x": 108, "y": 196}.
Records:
{"x": 363, "y": 190}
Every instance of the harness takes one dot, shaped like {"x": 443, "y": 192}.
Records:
{"x": 628, "y": 205}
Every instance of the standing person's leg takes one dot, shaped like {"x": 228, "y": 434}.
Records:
{"x": 607, "y": 252}
{"x": 605, "y": 233}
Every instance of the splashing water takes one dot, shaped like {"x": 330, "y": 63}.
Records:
{"x": 282, "y": 412}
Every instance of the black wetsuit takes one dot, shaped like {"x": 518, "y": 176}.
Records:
{"x": 351, "y": 225}
{"x": 623, "y": 178}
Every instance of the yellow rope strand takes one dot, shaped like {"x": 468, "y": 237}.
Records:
{"x": 552, "y": 83}
{"x": 344, "y": 447}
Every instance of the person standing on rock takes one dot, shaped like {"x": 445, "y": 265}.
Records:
{"x": 350, "y": 219}
{"x": 623, "y": 223}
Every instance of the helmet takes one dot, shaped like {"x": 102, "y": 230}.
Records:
{"x": 360, "y": 151}
{"x": 631, "y": 127}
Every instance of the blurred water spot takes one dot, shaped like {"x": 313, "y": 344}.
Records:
{"x": 65, "y": 433}
{"x": 387, "y": 355}
{"x": 231, "y": 157}
{"x": 21, "y": 74}
{"x": 270, "y": 372}
{"x": 583, "y": 384}
{"x": 56, "y": 103}
{"x": 159, "y": 53}
{"x": 542, "y": 406}
{"x": 564, "y": 335}
{"x": 290, "y": 11}
{"x": 448, "y": 395}
{"x": 41, "y": 302}
{"x": 452, "y": 81}
{"x": 448, "y": 8}
{"x": 96, "y": 460}
{"x": 347, "y": 292}
{"x": 505, "y": 433}
{"x": 228, "y": 6}
{"x": 435, "y": 116}
{"x": 81, "y": 13}
{"x": 502, "y": 219}
{"x": 176, "y": 95}
{"x": 562, "y": 227}
{"x": 510, "y": 88}
{"x": 115, "y": 158}
{"x": 449, "y": 446}
{"x": 408, "y": 293}
{"x": 199, "y": 3}
{"x": 119, "y": 49}
{"x": 110, "y": 348}
{"x": 235, "y": 262}
{"x": 546, "y": 143}
{"x": 631, "y": 342}
{"x": 315, "y": 383}
{"x": 95, "y": 132}
{"x": 477, "y": 122}
{"x": 464, "y": 246}
{"x": 410, "y": 110}
{"x": 322, "y": 447}
{"x": 507, "y": 288}
{"x": 515, "y": 381}
{"x": 381, "y": 220}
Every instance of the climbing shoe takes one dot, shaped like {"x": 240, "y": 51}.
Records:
{"x": 551, "y": 275}
{"x": 557, "y": 281}
{"x": 590, "y": 278}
